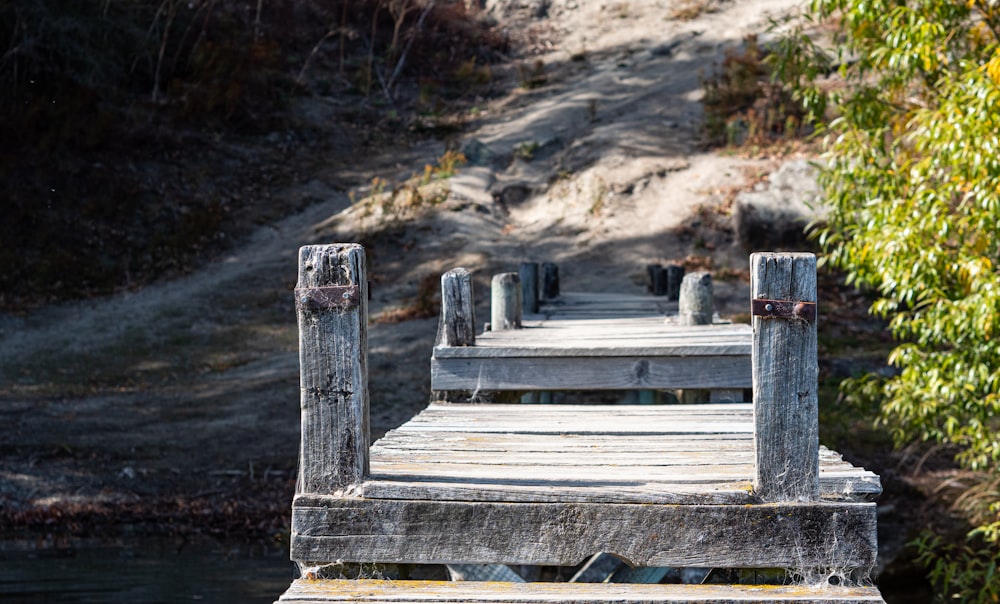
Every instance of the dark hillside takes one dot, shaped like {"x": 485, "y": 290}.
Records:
{"x": 137, "y": 138}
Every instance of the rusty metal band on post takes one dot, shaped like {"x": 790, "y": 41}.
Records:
{"x": 333, "y": 297}
{"x": 784, "y": 309}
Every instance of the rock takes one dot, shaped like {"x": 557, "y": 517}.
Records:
{"x": 511, "y": 193}
{"x": 537, "y": 9}
{"x": 776, "y": 217}
{"x": 472, "y": 183}
{"x": 477, "y": 153}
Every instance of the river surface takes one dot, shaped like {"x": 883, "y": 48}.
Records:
{"x": 136, "y": 571}
{"x": 141, "y": 572}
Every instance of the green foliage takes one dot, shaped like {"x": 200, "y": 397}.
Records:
{"x": 743, "y": 105}
{"x": 392, "y": 203}
{"x": 912, "y": 177}
{"x": 968, "y": 573}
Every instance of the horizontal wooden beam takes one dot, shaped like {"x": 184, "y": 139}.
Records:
{"x": 788, "y": 535}
{"x": 371, "y": 590}
{"x": 590, "y": 373}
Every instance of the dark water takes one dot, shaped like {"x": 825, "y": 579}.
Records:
{"x": 141, "y": 572}
{"x": 135, "y": 571}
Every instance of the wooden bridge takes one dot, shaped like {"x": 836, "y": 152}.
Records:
{"x": 718, "y": 485}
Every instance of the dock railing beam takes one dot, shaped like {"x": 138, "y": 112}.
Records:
{"x": 785, "y": 376}
{"x": 331, "y": 300}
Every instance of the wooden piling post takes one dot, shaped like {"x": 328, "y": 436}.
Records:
{"x": 505, "y": 302}
{"x": 657, "y": 279}
{"x": 458, "y": 320}
{"x": 528, "y": 273}
{"x": 675, "y": 275}
{"x": 785, "y": 376}
{"x": 695, "y": 301}
{"x": 550, "y": 281}
{"x": 331, "y": 299}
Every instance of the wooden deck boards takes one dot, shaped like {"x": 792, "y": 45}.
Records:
{"x": 612, "y": 453}
{"x": 557, "y": 483}
{"x": 407, "y": 592}
{"x": 599, "y": 342}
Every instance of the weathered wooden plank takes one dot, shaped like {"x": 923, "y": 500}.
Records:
{"x": 553, "y": 490}
{"x": 787, "y": 535}
{"x": 505, "y": 302}
{"x": 591, "y": 444}
{"x": 333, "y": 358}
{"x": 589, "y": 373}
{"x": 785, "y": 374}
{"x": 412, "y": 592}
{"x": 458, "y": 318}
{"x": 642, "y": 337}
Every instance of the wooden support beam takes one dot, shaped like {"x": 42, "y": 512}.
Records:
{"x": 528, "y": 272}
{"x": 458, "y": 320}
{"x": 785, "y": 374}
{"x": 791, "y": 535}
{"x": 550, "y": 281}
{"x": 587, "y": 372}
{"x": 505, "y": 302}
{"x": 332, "y": 307}
{"x": 695, "y": 305}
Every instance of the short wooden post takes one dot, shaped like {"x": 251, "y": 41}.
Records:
{"x": 505, "y": 302}
{"x": 550, "y": 281}
{"x": 331, "y": 300}
{"x": 529, "y": 286}
{"x": 458, "y": 320}
{"x": 675, "y": 275}
{"x": 695, "y": 303}
{"x": 785, "y": 376}
{"x": 657, "y": 279}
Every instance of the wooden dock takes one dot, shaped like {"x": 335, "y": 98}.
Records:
{"x": 728, "y": 485}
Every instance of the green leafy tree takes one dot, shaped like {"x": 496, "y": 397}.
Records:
{"x": 912, "y": 177}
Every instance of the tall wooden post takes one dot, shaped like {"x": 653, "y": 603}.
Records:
{"x": 675, "y": 276}
{"x": 695, "y": 304}
{"x": 505, "y": 302}
{"x": 785, "y": 376}
{"x": 529, "y": 286}
{"x": 657, "y": 279}
{"x": 331, "y": 300}
{"x": 458, "y": 320}
{"x": 550, "y": 280}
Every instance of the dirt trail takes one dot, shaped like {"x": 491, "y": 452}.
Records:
{"x": 187, "y": 390}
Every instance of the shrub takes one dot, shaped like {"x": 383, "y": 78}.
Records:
{"x": 912, "y": 177}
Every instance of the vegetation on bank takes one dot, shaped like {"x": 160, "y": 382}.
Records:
{"x": 907, "y": 102}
